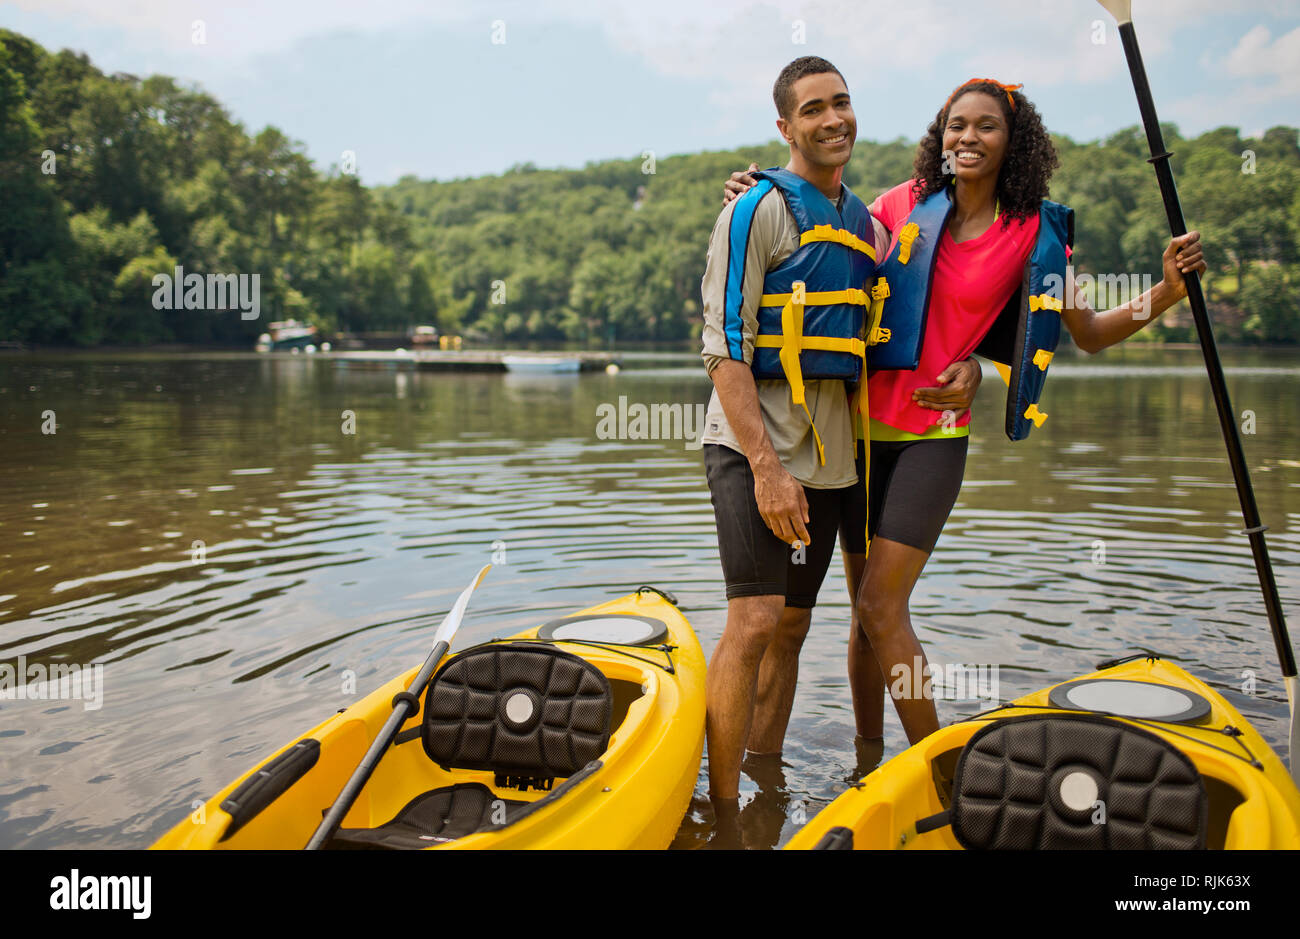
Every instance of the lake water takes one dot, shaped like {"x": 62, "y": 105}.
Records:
{"x": 203, "y": 526}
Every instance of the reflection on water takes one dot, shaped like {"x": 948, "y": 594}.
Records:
{"x": 208, "y": 528}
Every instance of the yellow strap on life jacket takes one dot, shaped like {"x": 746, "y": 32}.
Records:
{"x": 816, "y": 343}
{"x": 1044, "y": 302}
{"x": 838, "y": 235}
{"x": 1041, "y": 358}
{"x": 876, "y": 333}
{"x": 821, "y": 298}
{"x": 863, "y": 416}
{"x": 1035, "y": 415}
{"x": 905, "y": 239}
{"x": 790, "y": 340}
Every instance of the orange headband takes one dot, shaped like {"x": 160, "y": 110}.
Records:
{"x": 992, "y": 81}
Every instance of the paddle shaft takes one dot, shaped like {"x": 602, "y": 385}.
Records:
{"x": 402, "y": 709}
{"x": 1227, "y": 420}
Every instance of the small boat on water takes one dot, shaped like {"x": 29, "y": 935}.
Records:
{"x": 288, "y": 334}
{"x": 423, "y": 337}
{"x": 584, "y": 732}
{"x": 541, "y": 364}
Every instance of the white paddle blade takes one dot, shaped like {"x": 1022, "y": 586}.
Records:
{"x": 457, "y": 612}
{"x": 1122, "y": 10}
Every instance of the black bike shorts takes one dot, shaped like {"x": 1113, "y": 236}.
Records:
{"x": 914, "y": 485}
{"x": 756, "y": 562}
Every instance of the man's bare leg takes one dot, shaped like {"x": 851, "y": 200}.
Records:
{"x": 777, "y": 676}
{"x": 730, "y": 684}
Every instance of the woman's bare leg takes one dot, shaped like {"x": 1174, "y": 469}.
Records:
{"x": 892, "y": 570}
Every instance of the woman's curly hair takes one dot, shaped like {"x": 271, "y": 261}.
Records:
{"x": 1026, "y": 167}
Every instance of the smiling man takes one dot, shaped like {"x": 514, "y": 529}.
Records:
{"x": 787, "y": 262}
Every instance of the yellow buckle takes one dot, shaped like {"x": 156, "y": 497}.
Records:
{"x": 1035, "y": 415}
{"x": 1044, "y": 302}
{"x": 839, "y": 236}
{"x": 1042, "y": 358}
{"x": 880, "y": 289}
{"x": 879, "y": 334}
{"x": 905, "y": 239}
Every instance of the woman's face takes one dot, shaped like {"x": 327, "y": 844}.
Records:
{"x": 975, "y": 137}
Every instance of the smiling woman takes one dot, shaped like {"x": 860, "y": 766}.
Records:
{"x": 981, "y": 120}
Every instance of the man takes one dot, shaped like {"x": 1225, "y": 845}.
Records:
{"x": 790, "y": 258}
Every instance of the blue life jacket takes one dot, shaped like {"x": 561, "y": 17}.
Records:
{"x": 834, "y": 262}
{"x": 1023, "y": 338}
{"x": 812, "y": 314}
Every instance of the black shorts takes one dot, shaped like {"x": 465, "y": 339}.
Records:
{"x": 914, "y": 485}
{"x": 755, "y": 562}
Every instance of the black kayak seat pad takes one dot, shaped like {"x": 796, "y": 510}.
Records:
{"x": 1072, "y": 782}
{"x": 433, "y": 818}
{"x": 452, "y": 812}
{"x": 516, "y": 709}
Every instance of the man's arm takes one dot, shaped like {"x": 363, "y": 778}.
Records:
{"x": 779, "y": 495}
{"x": 732, "y": 286}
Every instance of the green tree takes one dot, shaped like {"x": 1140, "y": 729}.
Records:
{"x": 1272, "y": 300}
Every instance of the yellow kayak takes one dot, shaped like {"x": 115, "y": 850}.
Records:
{"x": 1139, "y": 755}
{"x": 585, "y": 732}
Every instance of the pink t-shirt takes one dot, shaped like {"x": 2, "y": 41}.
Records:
{"x": 972, "y": 282}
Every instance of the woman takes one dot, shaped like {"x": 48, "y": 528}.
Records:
{"x": 988, "y": 149}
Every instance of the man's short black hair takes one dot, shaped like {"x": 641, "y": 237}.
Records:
{"x": 783, "y": 90}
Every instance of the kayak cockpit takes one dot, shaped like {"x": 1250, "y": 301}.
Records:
{"x": 1158, "y": 761}
{"x": 528, "y": 713}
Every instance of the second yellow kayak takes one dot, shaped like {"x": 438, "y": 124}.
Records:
{"x": 1140, "y": 755}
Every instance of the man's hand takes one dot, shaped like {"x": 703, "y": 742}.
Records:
{"x": 781, "y": 502}
{"x": 739, "y": 184}
{"x": 957, "y": 386}
{"x": 780, "y": 497}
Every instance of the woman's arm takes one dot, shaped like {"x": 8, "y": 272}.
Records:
{"x": 1093, "y": 331}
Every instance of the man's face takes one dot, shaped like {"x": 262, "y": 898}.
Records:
{"x": 976, "y": 135}
{"x": 822, "y": 127}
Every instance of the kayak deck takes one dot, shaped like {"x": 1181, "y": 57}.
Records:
{"x": 633, "y": 796}
{"x": 1249, "y": 798}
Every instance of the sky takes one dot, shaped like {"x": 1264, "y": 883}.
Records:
{"x": 444, "y": 90}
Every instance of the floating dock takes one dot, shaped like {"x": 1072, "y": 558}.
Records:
{"x": 437, "y": 360}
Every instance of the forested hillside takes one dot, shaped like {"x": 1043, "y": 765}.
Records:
{"x": 107, "y": 180}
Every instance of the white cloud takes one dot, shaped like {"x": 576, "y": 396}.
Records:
{"x": 900, "y": 44}
{"x": 1276, "y": 61}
